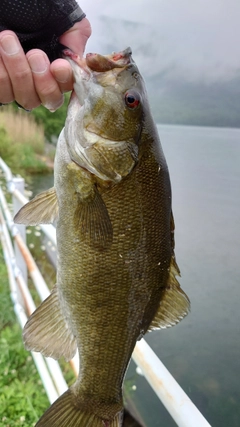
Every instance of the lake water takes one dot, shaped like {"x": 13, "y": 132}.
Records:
{"x": 203, "y": 351}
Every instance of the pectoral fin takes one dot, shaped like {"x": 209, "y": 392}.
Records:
{"x": 48, "y": 332}
{"x": 91, "y": 219}
{"x": 43, "y": 209}
{"x": 93, "y": 222}
{"x": 174, "y": 305}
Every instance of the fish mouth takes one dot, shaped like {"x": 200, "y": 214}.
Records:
{"x": 100, "y": 63}
{"x": 95, "y": 68}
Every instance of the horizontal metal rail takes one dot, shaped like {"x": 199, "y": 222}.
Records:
{"x": 178, "y": 404}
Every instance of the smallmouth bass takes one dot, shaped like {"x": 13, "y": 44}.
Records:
{"x": 116, "y": 272}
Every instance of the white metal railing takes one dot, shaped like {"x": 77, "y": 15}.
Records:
{"x": 17, "y": 282}
{"x": 178, "y": 404}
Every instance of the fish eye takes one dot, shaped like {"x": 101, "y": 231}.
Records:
{"x": 132, "y": 99}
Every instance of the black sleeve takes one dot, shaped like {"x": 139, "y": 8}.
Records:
{"x": 39, "y": 23}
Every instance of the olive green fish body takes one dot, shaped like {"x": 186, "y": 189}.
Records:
{"x": 118, "y": 288}
{"x": 115, "y": 239}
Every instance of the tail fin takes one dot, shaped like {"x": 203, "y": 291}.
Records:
{"x": 64, "y": 413}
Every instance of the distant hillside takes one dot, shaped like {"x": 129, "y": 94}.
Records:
{"x": 215, "y": 104}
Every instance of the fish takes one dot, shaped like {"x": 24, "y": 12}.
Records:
{"x": 116, "y": 268}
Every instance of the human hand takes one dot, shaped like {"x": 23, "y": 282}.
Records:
{"x": 30, "y": 79}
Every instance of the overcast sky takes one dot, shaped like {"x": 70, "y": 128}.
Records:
{"x": 194, "y": 39}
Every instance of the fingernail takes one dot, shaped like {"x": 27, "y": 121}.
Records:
{"x": 53, "y": 107}
{"x": 62, "y": 75}
{"x": 10, "y": 45}
{"x": 21, "y": 107}
{"x": 38, "y": 63}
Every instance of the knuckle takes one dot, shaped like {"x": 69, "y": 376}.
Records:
{"x": 23, "y": 75}
{"x": 4, "y": 81}
{"x": 6, "y": 92}
{"x": 49, "y": 91}
{"x": 4, "y": 77}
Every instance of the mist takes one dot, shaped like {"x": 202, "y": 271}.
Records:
{"x": 199, "y": 40}
{"x": 188, "y": 53}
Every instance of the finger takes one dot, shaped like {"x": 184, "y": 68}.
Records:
{"x": 6, "y": 92}
{"x": 45, "y": 84}
{"x": 18, "y": 70}
{"x": 62, "y": 72}
{"x": 77, "y": 36}
{"x": 76, "y": 39}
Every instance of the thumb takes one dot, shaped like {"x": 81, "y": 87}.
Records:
{"x": 77, "y": 36}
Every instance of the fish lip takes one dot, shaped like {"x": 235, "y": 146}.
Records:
{"x": 103, "y": 63}
{"x": 78, "y": 64}
{"x": 81, "y": 73}
{"x": 125, "y": 54}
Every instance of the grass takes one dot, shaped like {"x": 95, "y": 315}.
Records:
{"x": 22, "y": 142}
{"x": 22, "y": 129}
{"x": 22, "y": 396}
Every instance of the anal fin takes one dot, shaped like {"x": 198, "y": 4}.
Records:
{"x": 43, "y": 209}
{"x": 48, "y": 332}
{"x": 174, "y": 304}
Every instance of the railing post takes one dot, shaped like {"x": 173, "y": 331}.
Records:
{"x": 19, "y": 184}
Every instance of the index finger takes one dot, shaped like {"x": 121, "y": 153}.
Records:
{"x": 18, "y": 70}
